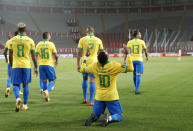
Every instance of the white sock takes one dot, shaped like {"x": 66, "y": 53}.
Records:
{"x": 110, "y": 118}
{"x": 24, "y": 105}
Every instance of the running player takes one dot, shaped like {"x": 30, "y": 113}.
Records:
{"x": 19, "y": 58}
{"x": 45, "y": 50}
{"x": 106, "y": 93}
{"x": 94, "y": 44}
{"x": 137, "y": 46}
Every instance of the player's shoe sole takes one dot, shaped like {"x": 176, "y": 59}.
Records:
{"x": 90, "y": 120}
{"x": 18, "y": 103}
{"x": 137, "y": 93}
{"x": 85, "y": 101}
{"x": 7, "y": 92}
{"x": 105, "y": 121}
{"x": 90, "y": 104}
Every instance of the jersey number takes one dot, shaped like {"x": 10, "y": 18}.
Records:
{"x": 20, "y": 50}
{"x": 44, "y": 53}
{"x": 91, "y": 45}
{"x": 135, "y": 49}
{"x": 104, "y": 81}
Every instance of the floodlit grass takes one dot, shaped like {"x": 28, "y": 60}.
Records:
{"x": 164, "y": 105}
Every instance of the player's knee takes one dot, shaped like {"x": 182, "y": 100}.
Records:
{"x": 85, "y": 77}
{"x": 9, "y": 75}
{"x": 138, "y": 73}
{"x": 15, "y": 84}
{"x": 52, "y": 80}
{"x": 44, "y": 80}
{"x": 25, "y": 84}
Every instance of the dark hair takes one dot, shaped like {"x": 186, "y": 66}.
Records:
{"x": 21, "y": 30}
{"x": 102, "y": 57}
{"x": 45, "y": 35}
{"x": 135, "y": 32}
{"x": 16, "y": 33}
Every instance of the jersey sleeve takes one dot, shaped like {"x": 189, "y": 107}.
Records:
{"x": 10, "y": 45}
{"x": 100, "y": 45}
{"x": 130, "y": 67}
{"x": 86, "y": 69}
{"x": 143, "y": 45}
{"x": 54, "y": 51}
{"x": 80, "y": 44}
{"x": 32, "y": 45}
{"x": 7, "y": 44}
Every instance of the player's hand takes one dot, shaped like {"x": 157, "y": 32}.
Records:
{"x": 6, "y": 61}
{"x": 56, "y": 64}
{"x": 36, "y": 72}
{"x": 124, "y": 64}
{"x": 87, "y": 52}
{"x": 147, "y": 59}
{"x": 78, "y": 68}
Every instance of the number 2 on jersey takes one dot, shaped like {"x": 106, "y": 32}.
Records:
{"x": 104, "y": 81}
{"x": 44, "y": 53}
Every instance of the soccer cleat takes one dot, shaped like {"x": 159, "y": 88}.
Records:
{"x": 18, "y": 103}
{"x": 89, "y": 121}
{"x": 106, "y": 120}
{"x": 46, "y": 96}
{"x": 85, "y": 101}
{"x": 137, "y": 93}
{"x": 90, "y": 104}
{"x": 25, "y": 107}
{"x": 53, "y": 88}
{"x": 7, "y": 92}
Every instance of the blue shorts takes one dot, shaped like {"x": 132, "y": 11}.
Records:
{"x": 138, "y": 67}
{"x": 88, "y": 74}
{"x": 47, "y": 72}
{"x": 114, "y": 107}
{"x": 9, "y": 69}
{"x": 21, "y": 75}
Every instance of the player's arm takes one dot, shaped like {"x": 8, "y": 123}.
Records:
{"x": 130, "y": 64}
{"x": 145, "y": 51}
{"x": 34, "y": 58}
{"x": 55, "y": 56}
{"x": 126, "y": 52}
{"x": 5, "y": 54}
{"x": 80, "y": 47}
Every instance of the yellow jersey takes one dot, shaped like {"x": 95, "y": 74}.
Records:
{"x": 94, "y": 44}
{"x": 7, "y": 44}
{"x": 136, "y": 47}
{"x": 46, "y": 49}
{"x": 22, "y": 46}
{"x": 106, "y": 78}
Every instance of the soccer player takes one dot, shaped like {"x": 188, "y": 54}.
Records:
{"x": 137, "y": 46}
{"x": 106, "y": 93}
{"x": 8, "y": 67}
{"x": 20, "y": 48}
{"x": 94, "y": 44}
{"x": 46, "y": 50}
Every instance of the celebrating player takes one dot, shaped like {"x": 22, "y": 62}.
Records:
{"x": 94, "y": 44}
{"x": 19, "y": 58}
{"x": 137, "y": 46}
{"x": 106, "y": 93}
{"x": 45, "y": 50}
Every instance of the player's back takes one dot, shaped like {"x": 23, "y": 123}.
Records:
{"x": 94, "y": 44}
{"x": 21, "y": 45}
{"x": 106, "y": 77}
{"x": 45, "y": 49}
{"x": 136, "y": 46}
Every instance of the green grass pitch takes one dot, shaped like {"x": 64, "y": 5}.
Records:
{"x": 166, "y": 102}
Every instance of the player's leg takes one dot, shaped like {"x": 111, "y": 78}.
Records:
{"x": 134, "y": 73}
{"x": 8, "y": 81}
{"x": 51, "y": 77}
{"x": 26, "y": 81}
{"x": 139, "y": 71}
{"x": 91, "y": 88}
{"x": 43, "y": 69}
{"x": 41, "y": 86}
{"x": 98, "y": 109}
{"x": 85, "y": 86}
{"x": 116, "y": 112}
{"x": 17, "y": 79}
